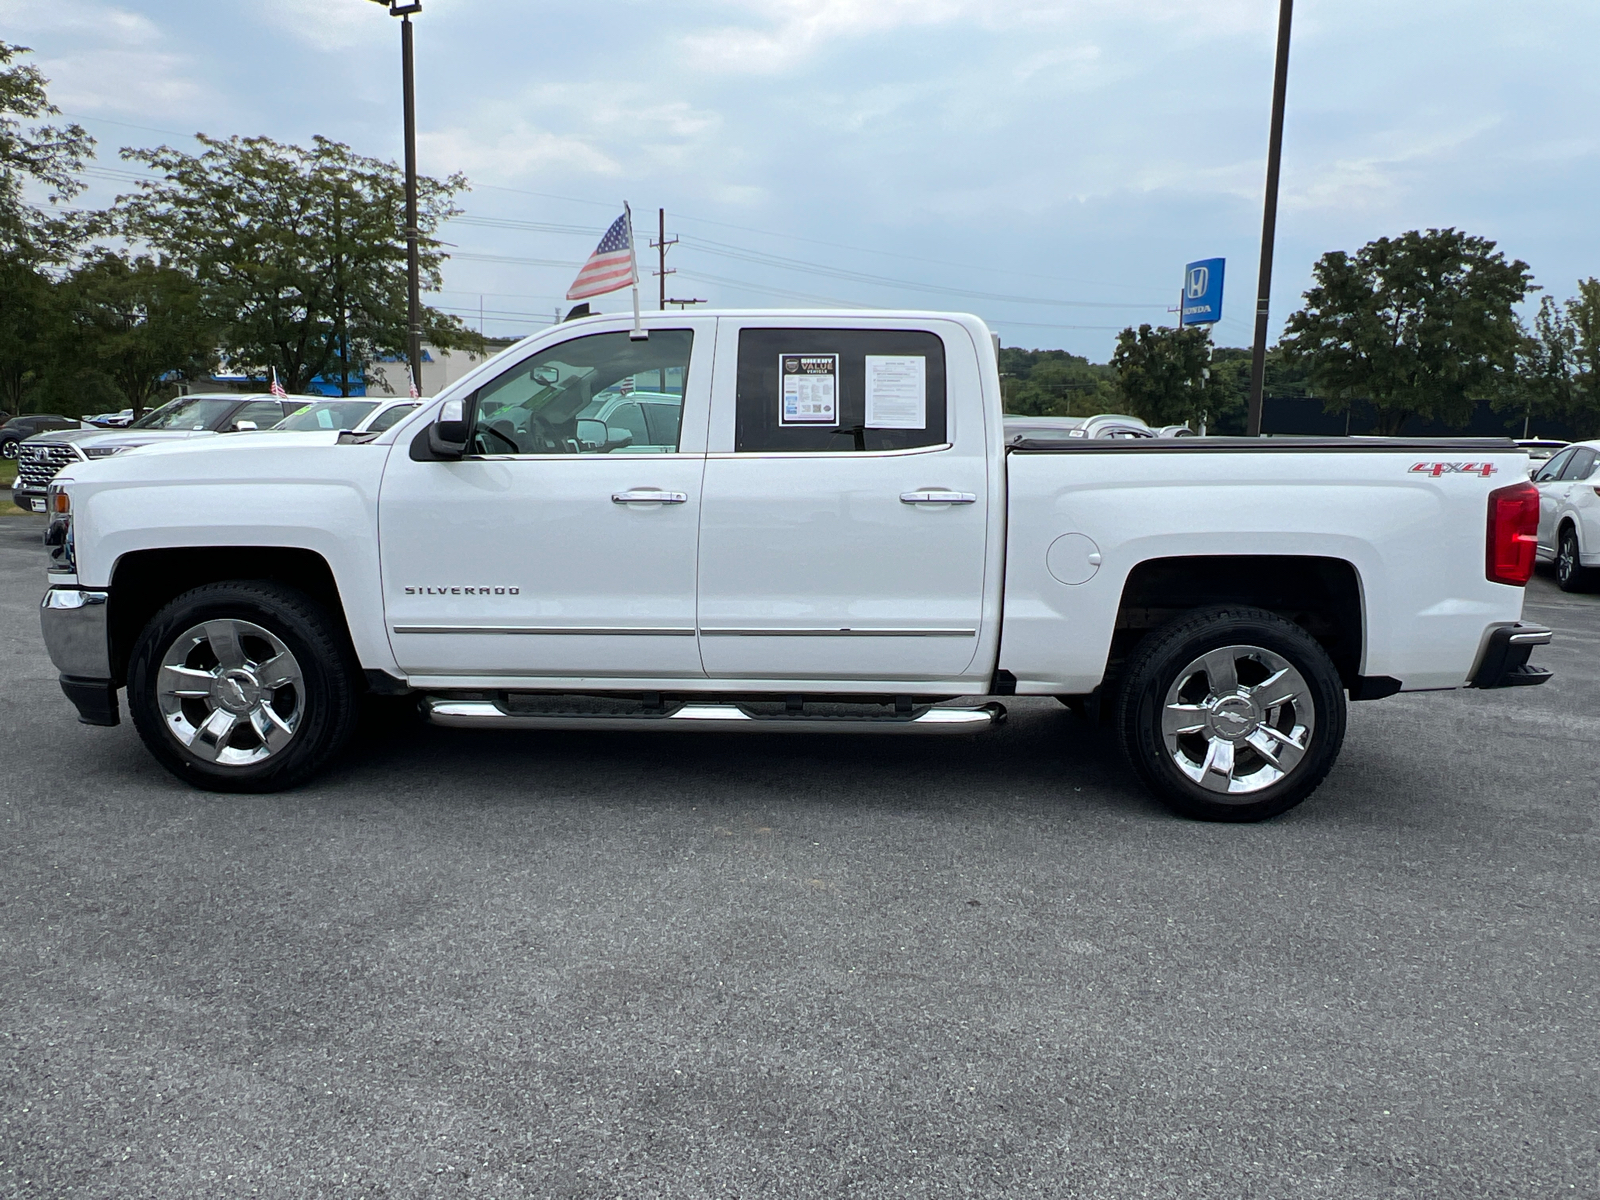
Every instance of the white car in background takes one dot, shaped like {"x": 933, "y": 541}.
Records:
{"x": 1569, "y": 515}
{"x": 353, "y": 413}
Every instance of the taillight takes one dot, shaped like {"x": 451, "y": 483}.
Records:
{"x": 1513, "y": 533}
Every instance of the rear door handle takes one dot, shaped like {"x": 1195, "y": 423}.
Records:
{"x": 937, "y": 496}
{"x": 649, "y": 496}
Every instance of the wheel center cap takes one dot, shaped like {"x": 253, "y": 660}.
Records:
{"x": 237, "y": 691}
{"x": 1233, "y": 717}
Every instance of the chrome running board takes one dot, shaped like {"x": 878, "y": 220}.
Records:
{"x": 713, "y": 718}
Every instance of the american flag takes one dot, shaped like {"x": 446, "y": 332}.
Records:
{"x": 277, "y": 388}
{"x": 610, "y": 266}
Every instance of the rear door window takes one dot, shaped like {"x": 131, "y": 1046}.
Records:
{"x": 839, "y": 391}
{"x": 1580, "y": 465}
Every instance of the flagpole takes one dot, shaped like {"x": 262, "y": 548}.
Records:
{"x": 639, "y": 334}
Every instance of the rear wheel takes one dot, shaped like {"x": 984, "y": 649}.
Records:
{"x": 1571, "y": 574}
{"x": 242, "y": 687}
{"x": 1231, "y": 714}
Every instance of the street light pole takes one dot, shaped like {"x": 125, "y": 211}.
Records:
{"x": 413, "y": 266}
{"x": 404, "y": 9}
{"x": 1269, "y": 219}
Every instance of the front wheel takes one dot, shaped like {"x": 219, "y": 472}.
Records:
{"x": 1231, "y": 714}
{"x": 8, "y": 449}
{"x": 242, "y": 687}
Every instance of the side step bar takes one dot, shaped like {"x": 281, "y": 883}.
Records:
{"x": 712, "y": 718}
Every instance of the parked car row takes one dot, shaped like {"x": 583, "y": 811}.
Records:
{"x": 43, "y": 445}
{"x": 1569, "y": 515}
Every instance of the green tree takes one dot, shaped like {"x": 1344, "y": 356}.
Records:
{"x": 301, "y": 253}
{"x": 1421, "y": 325}
{"x": 1582, "y": 410}
{"x": 1544, "y": 382}
{"x": 1053, "y": 383}
{"x": 31, "y": 239}
{"x": 1165, "y": 378}
{"x": 135, "y": 322}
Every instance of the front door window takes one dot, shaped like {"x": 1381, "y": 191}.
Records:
{"x": 585, "y": 396}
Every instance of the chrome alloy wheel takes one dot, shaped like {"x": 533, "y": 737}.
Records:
{"x": 1567, "y": 557}
{"x": 231, "y": 692}
{"x": 1238, "y": 719}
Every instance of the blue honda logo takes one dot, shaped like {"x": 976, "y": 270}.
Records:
{"x": 1202, "y": 291}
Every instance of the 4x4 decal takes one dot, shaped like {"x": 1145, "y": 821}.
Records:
{"x": 1437, "y": 469}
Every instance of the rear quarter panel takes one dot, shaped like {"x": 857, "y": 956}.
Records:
{"x": 1416, "y": 543}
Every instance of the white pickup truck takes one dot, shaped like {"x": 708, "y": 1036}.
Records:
{"x": 782, "y": 521}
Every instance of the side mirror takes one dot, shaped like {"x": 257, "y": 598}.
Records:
{"x": 597, "y": 435}
{"x": 447, "y": 435}
{"x": 546, "y": 375}
{"x": 240, "y": 426}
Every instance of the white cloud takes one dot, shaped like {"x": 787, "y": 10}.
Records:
{"x": 782, "y": 33}
{"x": 513, "y": 151}
{"x": 326, "y": 24}
{"x": 26, "y": 19}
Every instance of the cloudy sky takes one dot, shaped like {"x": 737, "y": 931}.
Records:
{"x": 1047, "y": 164}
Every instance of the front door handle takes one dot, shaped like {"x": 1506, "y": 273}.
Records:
{"x": 937, "y": 496}
{"x": 649, "y": 496}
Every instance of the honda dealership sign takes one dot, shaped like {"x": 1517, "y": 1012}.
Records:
{"x": 1202, "y": 292}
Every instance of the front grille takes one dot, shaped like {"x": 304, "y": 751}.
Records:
{"x": 39, "y": 462}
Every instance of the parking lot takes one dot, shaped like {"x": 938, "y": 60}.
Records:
{"x": 597, "y": 965}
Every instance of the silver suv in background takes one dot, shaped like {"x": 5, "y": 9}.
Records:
{"x": 41, "y": 456}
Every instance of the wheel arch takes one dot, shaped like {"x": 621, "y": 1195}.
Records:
{"x": 142, "y": 581}
{"x": 1322, "y": 595}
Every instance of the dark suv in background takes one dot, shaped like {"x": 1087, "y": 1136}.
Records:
{"x": 17, "y": 428}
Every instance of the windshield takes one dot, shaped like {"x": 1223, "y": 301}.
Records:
{"x": 328, "y": 414}
{"x": 187, "y": 412}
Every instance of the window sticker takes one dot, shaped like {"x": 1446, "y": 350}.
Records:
{"x": 810, "y": 393}
{"x": 897, "y": 391}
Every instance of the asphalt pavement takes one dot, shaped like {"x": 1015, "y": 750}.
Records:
{"x": 502, "y": 965}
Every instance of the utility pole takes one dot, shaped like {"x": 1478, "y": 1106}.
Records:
{"x": 341, "y": 331}
{"x": 1269, "y": 218}
{"x": 661, "y": 244}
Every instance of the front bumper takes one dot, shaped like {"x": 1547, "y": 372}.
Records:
{"x": 77, "y": 636}
{"x": 28, "y": 499}
{"x": 1504, "y": 662}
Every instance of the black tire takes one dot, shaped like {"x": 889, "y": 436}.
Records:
{"x": 1571, "y": 574}
{"x": 1313, "y": 715}
{"x": 318, "y": 708}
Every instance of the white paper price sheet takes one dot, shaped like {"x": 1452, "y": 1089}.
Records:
{"x": 897, "y": 391}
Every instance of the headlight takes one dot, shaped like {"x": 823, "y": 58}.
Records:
{"x": 58, "y": 534}
{"x": 104, "y": 451}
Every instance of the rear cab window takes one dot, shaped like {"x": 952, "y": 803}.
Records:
{"x": 839, "y": 391}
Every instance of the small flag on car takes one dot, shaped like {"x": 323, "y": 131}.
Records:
{"x": 611, "y": 266}
{"x": 277, "y": 388}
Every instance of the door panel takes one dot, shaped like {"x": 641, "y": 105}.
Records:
{"x": 813, "y": 567}
{"x": 528, "y": 567}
